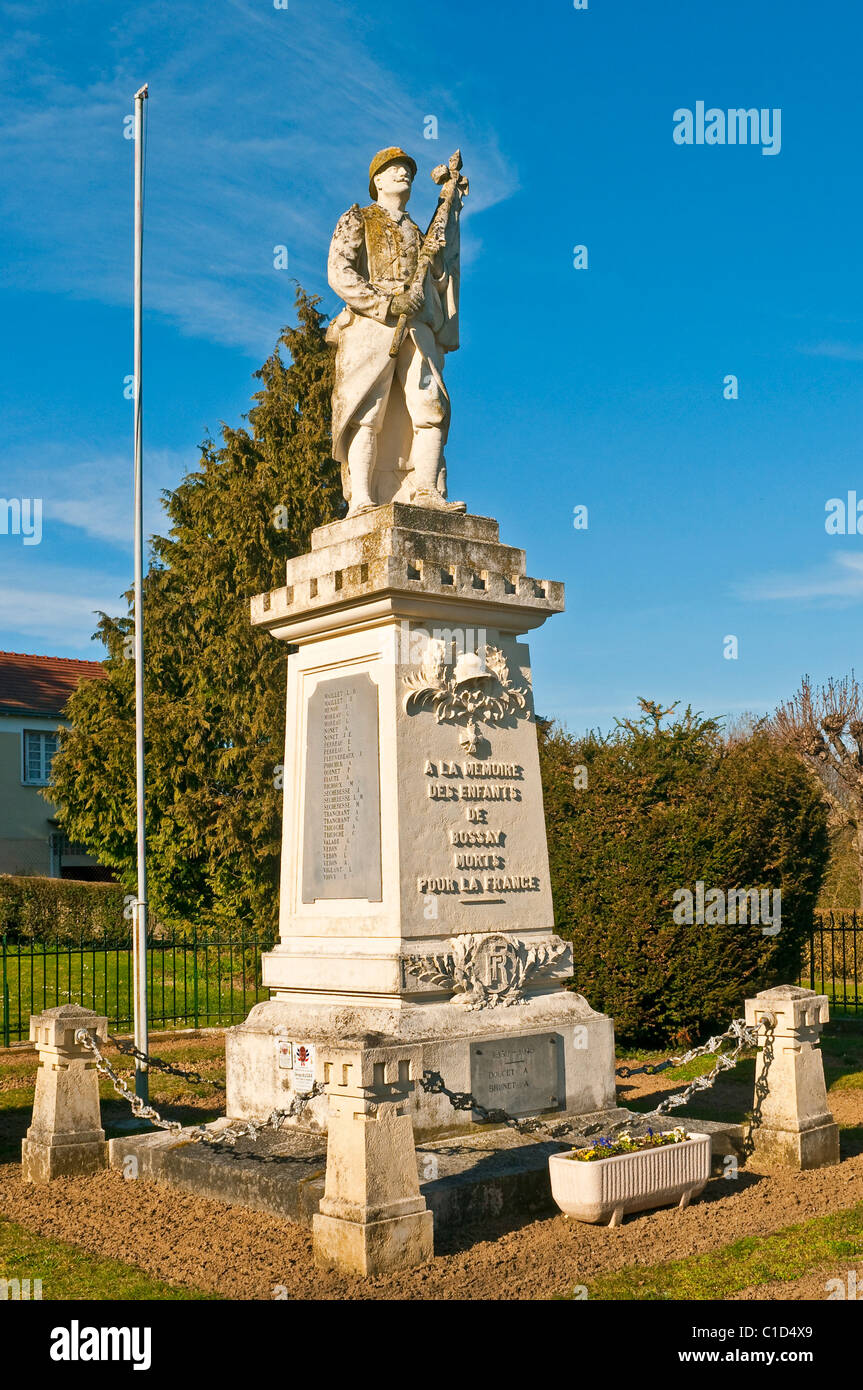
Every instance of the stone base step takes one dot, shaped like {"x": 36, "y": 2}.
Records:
{"x": 490, "y": 1172}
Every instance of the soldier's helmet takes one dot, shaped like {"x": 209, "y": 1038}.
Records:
{"x": 470, "y": 666}
{"x": 384, "y": 157}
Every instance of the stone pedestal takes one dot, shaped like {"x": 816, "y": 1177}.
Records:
{"x": 415, "y": 901}
{"x": 65, "y": 1138}
{"x": 792, "y": 1122}
{"x": 372, "y": 1219}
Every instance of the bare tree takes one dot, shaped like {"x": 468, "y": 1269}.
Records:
{"x": 824, "y": 727}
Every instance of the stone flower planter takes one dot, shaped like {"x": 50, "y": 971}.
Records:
{"x": 607, "y": 1188}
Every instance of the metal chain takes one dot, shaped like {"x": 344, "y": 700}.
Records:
{"x": 746, "y": 1037}
{"x": 140, "y": 1108}
{"x": 248, "y": 1129}
{"x": 708, "y": 1048}
{"x": 433, "y": 1083}
{"x": 159, "y": 1064}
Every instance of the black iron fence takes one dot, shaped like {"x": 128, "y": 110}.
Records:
{"x": 212, "y": 979}
{"x": 202, "y": 980}
{"x": 833, "y": 960}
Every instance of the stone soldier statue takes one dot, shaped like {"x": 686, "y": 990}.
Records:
{"x": 391, "y": 409}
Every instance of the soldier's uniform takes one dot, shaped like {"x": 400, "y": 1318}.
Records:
{"x": 373, "y": 256}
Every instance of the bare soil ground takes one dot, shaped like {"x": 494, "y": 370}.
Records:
{"x": 242, "y": 1254}
{"x": 245, "y": 1255}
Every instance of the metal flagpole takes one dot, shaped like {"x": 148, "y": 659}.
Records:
{"x": 139, "y": 929}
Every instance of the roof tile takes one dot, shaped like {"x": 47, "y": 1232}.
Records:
{"x": 42, "y": 684}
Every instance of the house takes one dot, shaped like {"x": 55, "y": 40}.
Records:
{"x": 33, "y": 695}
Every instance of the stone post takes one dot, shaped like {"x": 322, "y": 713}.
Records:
{"x": 792, "y": 1122}
{"x": 372, "y": 1219}
{"x": 65, "y": 1138}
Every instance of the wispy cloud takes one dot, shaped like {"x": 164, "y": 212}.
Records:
{"x": 843, "y": 352}
{"x": 315, "y": 96}
{"x": 843, "y": 579}
{"x": 92, "y": 492}
{"x": 60, "y": 609}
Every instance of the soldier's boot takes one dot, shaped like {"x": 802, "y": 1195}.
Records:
{"x": 426, "y": 459}
{"x": 362, "y": 453}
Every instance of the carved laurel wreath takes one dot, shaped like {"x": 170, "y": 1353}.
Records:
{"x": 435, "y": 686}
{"x": 457, "y": 969}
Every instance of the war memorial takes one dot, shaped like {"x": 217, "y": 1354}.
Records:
{"x": 423, "y": 1054}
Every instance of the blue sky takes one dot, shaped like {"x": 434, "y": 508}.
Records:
{"x": 601, "y": 386}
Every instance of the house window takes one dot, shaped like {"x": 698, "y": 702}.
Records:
{"x": 39, "y": 750}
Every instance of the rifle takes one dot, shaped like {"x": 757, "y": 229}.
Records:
{"x": 435, "y": 237}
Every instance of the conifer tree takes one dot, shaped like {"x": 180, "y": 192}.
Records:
{"x": 214, "y": 685}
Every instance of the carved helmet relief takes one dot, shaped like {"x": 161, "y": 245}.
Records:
{"x": 477, "y": 686}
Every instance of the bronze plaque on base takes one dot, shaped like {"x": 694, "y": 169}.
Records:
{"x": 523, "y": 1076}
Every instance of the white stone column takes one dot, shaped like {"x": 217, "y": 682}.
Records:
{"x": 793, "y": 1124}
{"x": 415, "y": 895}
{"x": 65, "y": 1138}
{"x": 372, "y": 1218}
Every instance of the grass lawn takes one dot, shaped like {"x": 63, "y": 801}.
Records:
{"x": 211, "y": 986}
{"x": 842, "y": 991}
{"x": 173, "y": 1097}
{"x": 68, "y": 1273}
{"x": 785, "y": 1255}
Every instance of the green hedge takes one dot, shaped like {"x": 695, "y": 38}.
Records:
{"x": 634, "y": 817}
{"x": 59, "y": 909}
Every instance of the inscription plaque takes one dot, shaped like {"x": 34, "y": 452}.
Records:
{"x": 342, "y": 813}
{"x": 520, "y": 1075}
